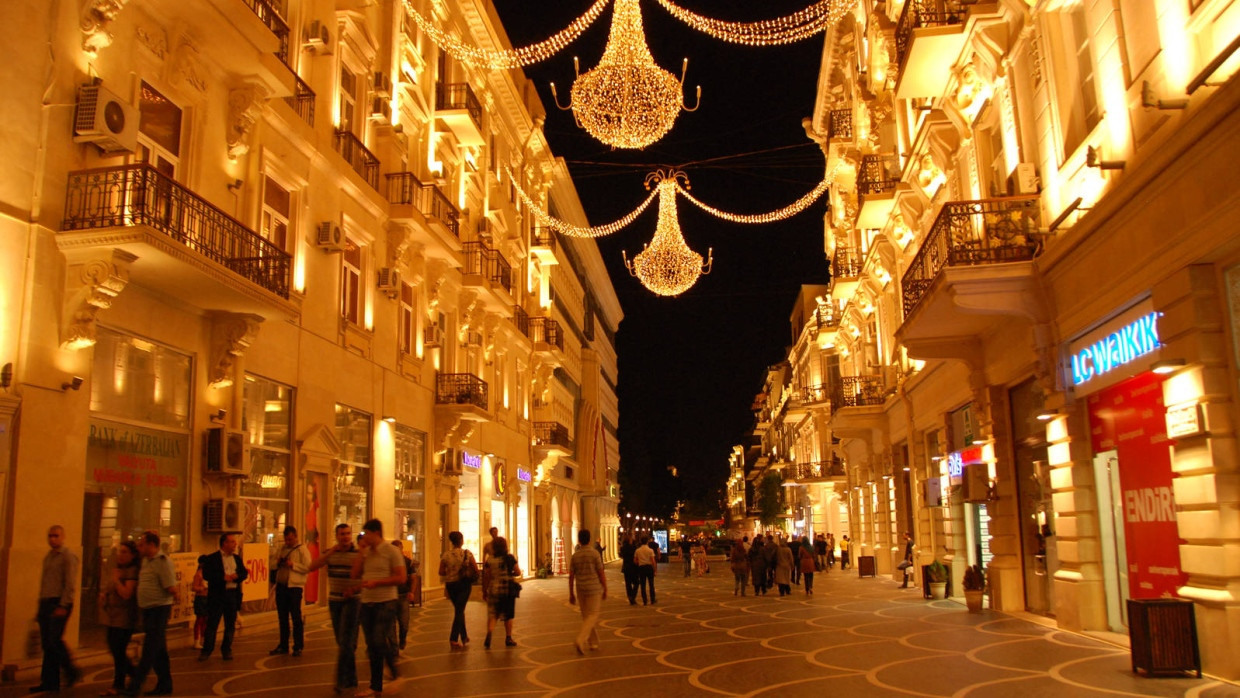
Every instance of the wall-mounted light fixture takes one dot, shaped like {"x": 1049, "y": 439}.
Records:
{"x": 1092, "y": 159}
{"x": 389, "y": 419}
{"x": 219, "y": 416}
{"x": 1047, "y": 415}
{"x": 6, "y": 376}
{"x": 1166, "y": 366}
{"x": 1150, "y": 100}
{"x": 74, "y": 384}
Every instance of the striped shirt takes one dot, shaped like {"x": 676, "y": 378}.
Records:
{"x": 339, "y": 572}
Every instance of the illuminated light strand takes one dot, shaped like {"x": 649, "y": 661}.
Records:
{"x": 768, "y": 32}
{"x": 666, "y": 266}
{"x": 501, "y": 59}
{"x": 777, "y": 215}
{"x": 627, "y": 100}
{"x": 577, "y": 231}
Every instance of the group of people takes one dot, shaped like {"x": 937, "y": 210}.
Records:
{"x": 693, "y": 555}
{"x": 639, "y": 559}
{"x": 500, "y": 580}
{"x": 773, "y": 561}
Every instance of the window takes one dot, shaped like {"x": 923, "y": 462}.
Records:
{"x": 159, "y": 131}
{"x": 276, "y": 213}
{"x": 351, "y": 503}
{"x": 408, "y": 319}
{"x": 1075, "y": 88}
{"x": 266, "y": 417}
{"x": 410, "y": 487}
{"x": 351, "y": 289}
{"x": 347, "y": 106}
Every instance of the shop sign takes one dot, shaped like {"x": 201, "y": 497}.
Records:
{"x": 124, "y": 455}
{"x": 257, "y": 581}
{"x": 471, "y": 460}
{"x": 497, "y": 477}
{"x": 184, "y": 565}
{"x": 956, "y": 460}
{"x": 1185, "y": 420}
{"x": 524, "y": 475}
{"x": 1114, "y": 345}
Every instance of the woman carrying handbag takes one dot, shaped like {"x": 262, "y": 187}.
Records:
{"x": 458, "y": 570}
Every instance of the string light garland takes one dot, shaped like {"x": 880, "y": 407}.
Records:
{"x": 777, "y": 215}
{"x": 543, "y": 218}
{"x": 503, "y": 59}
{"x": 666, "y": 266}
{"x": 769, "y": 32}
{"x": 627, "y": 101}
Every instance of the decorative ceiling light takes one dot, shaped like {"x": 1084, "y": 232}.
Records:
{"x": 627, "y": 101}
{"x": 768, "y": 32}
{"x": 666, "y": 266}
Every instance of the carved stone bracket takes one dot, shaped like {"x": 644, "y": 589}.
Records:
{"x": 244, "y": 107}
{"x": 97, "y": 15}
{"x": 231, "y": 335}
{"x": 93, "y": 284}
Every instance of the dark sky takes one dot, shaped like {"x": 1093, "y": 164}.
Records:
{"x": 689, "y": 366}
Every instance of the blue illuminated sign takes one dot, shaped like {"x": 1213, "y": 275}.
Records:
{"x": 471, "y": 460}
{"x": 1122, "y": 346}
{"x": 524, "y": 475}
{"x": 955, "y": 464}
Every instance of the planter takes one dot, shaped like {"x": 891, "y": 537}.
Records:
{"x": 938, "y": 590}
{"x": 973, "y": 599}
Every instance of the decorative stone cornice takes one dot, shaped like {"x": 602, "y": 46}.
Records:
{"x": 231, "y": 335}
{"x": 244, "y": 108}
{"x": 93, "y": 284}
{"x": 97, "y": 16}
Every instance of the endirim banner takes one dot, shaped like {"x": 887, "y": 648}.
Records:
{"x": 1116, "y": 349}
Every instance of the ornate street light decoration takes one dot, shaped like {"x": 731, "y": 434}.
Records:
{"x": 666, "y": 266}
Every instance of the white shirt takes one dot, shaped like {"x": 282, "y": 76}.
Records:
{"x": 643, "y": 556}
{"x": 230, "y": 567}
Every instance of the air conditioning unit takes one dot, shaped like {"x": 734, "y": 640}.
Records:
{"x": 389, "y": 281}
{"x": 976, "y": 483}
{"x": 449, "y": 463}
{"x": 381, "y": 109}
{"x": 223, "y": 516}
{"x": 318, "y": 38}
{"x": 381, "y": 84}
{"x": 432, "y": 336}
{"x": 473, "y": 339}
{"x": 106, "y": 120}
{"x": 226, "y": 452}
{"x": 1024, "y": 179}
{"x": 329, "y": 237}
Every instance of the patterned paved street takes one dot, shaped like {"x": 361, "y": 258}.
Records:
{"x": 854, "y": 637}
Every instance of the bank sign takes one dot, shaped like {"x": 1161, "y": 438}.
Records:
{"x": 1097, "y": 356}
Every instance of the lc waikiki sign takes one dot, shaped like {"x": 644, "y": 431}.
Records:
{"x": 1130, "y": 336}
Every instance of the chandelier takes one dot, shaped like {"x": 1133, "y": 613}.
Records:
{"x": 627, "y": 100}
{"x": 666, "y": 266}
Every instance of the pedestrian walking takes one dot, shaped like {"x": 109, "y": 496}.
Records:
{"x": 120, "y": 610}
{"x": 808, "y": 564}
{"x": 343, "y": 602}
{"x": 587, "y": 587}
{"x": 628, "y": 567}
{"x": 770, "y": 550}
{"x": 795, "y": 546}
{"x": 500, "y": 590}
{"x": 699, "y": 557}
{"x": 686, "y": 554}
{"x": 757, "y": 566}
{"x": 738, "y": 560}
{"x": 224, "y": 572}
{"x": 404, "y": 594}
{"x": 907, "y": 562}
{"x": 381, "y": 569}
{"x": 292, "y": 564}
{"x": 57, "y": 589}
{"x": 157, "y": 592}
{"x": 645, "y": 560}
{"x": 844, "y": 545}
{"x": 457, "y": 570}
{"x": 783, "y": 567}
{"x": 488, "y": 549}
{"x": 820, "y": 551}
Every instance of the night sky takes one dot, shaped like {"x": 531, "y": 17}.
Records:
{"x": 690, "y": 366}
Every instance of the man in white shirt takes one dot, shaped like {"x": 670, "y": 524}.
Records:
{"x": 381, "y": 568}
{"x": 645, "y": 561}
{"x": 588, "y": 585}
{"x": 292, "y": 563}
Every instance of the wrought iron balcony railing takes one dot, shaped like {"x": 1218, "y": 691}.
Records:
{"x": 488, "y": 263}
{"x": 840, "y": 125}
{"x": 826, "y": 316}
{"x": 459, "y": 95}
{"x": 846, "y": 263}
{"x": 858, "y": 391}
{"x": 546, "y": 331}
{"x": 544, "y": 237}
{"x": 817, "y": 471}
{"x": 460, "y": 389}
{"x": 521, "y": 319}
{"x": 878, "y": 174}
{"x": 551, "y": 434}
{"x": 404, "y": 188}
{"x": 925, "y": 13}
{"x": 813, "y": 394}
{"x": 971, "y": 233}
{"x": 266, "y": 12}
{"x": 363, "y": 162}
{"x": 302, "y": 100}
{"x": 138, "y": 194}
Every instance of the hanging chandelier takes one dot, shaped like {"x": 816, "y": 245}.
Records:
{"x": 666, "y": 266}
{"x": 627, "y": 100}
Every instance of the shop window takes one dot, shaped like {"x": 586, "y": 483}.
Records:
{"x": 352, "y": 291}
{"x": 138, "y": 380}
{"x": 277, "y": 212}
{"x": 410, "y": 486}
{"x": 408, "y": 319}
{"x": 351, "y": 503}
{"x": 267, "y": 419}
{"x": 159, "y": 131}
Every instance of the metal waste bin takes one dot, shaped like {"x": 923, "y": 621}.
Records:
{"x": 1163, "y": 635}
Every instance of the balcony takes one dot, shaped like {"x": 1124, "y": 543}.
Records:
{"x": 876, "y": 187}
{"x": 858, "y": 391}
{"x": 406, "y": 195}
{"x": 543, "y": 245}
{"x": 459, "y": 109}
{"x": 246, "y": 40}
{"x": 805, "y": 399}
{"x": 302, "y": 100}
{"x": 551, "y": 438}
{"x": 809, "y": 473}
{"x": 840, "y": 124}
{"x": 363, "y": 162}
{"x": 267, "y": 14}
{"x": 548, "y": 339}
{"x": 186, "y": 248}
{"x": 521, "y": 320}
{"x": 929, "y": 38}
{"x": 846, "y": 265}
{"x": 973, "y": 266}
{"x": 487, "y": 269}
{"x": 461, "y": 396}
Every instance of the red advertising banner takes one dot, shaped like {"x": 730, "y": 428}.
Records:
{"x": 1129, "y": 418}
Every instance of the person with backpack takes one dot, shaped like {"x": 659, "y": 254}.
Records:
{"x": 500, "y": 590}
{"x": 458, "y": 570}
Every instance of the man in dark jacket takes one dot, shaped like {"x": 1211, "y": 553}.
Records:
{"x": 629, "y": 568}
{"x": 223, "y": 571}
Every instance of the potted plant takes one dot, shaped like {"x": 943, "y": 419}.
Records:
{"x": 974, "y": 587}
{"x": 936, "y": 575}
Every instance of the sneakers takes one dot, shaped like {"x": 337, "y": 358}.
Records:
{"x": 509, "y": 642}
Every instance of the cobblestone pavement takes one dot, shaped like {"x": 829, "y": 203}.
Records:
{"x": 853, "y": 637}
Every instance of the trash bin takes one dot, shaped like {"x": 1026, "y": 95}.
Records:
{"x": 867, "y": 566}
{"x": 1163, "y": 635}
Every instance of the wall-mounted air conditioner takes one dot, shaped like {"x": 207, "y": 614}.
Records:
{"x": 329, "y": 237}
{"x": 106, "y": 120}
{"x": 388, "y": 281}
{"x": 226, "y": 452}
{"x": 223, "y": 516}
{"x": 318, "y": 38}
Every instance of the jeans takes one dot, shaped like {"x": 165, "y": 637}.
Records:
{"x": 55, "y": 652}
{"x": 688, "y": 562}
{"x": 118, "y": 644}
{"x": 458, "y": 593}
{"x": 402, "y": 620}
{"x": 843, "y": 559}
{"x": 809, "y": 581}
{"x": 591, "y": 605}
{"x": 221, "y": 607}
{"x": 154, "y": 649}
{"x": 344, "y": 625}
{"x": 741, "y": 579}
{"x": 377, "y": 619}
{"x": 288, "y": 603}
{"x": 645, "y": 577}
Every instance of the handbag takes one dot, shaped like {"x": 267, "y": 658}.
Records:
{"x": 469, "y": 569}
{"x": 904, "y": 565}
{"x": 514, "y": 588}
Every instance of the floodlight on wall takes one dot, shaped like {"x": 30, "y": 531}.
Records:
{"x": 389, "y": 419}
{"x": 1092, "y": 159}
{"x": 1150, "y": 100}
{"x": 1047, "y": 415}
{"x": 219, "y": 416}
{"x": 1166, "y": 366}
{"x": 6, "y": 376}
{"x": 74, "y": 384}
